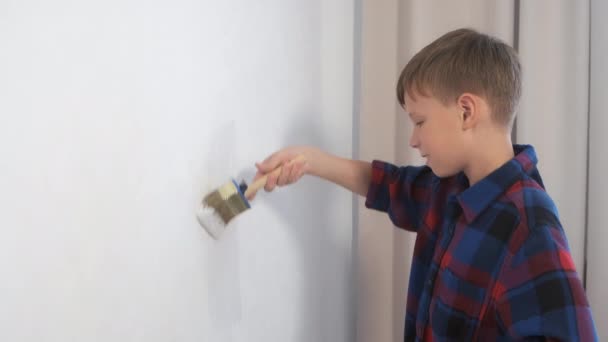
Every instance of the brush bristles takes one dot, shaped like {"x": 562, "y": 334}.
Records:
{"x": 212, "y": 223}
{"x": 227, "y": 202}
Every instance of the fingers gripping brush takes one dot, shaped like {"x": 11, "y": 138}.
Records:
{"x": 222, "y": 205}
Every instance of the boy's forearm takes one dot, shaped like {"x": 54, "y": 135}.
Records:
{"x": 353, "y": 175}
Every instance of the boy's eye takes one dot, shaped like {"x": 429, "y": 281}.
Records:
{"x": 419, "y": 123}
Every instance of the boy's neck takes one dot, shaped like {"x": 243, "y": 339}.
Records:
{"x": 489, "y": 158}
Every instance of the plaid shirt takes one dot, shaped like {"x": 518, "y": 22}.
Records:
{"x": 491, "y": 261}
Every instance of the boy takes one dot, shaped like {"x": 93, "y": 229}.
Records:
{"x": 491, "y": 260}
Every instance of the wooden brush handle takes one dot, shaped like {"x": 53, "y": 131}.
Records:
{"x": 261, "y": 182}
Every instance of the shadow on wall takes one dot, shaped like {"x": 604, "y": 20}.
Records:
{"x": 305, "y": 210}
{"x": 222, "y": 255}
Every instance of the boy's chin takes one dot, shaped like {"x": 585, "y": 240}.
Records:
{"x": 442, "y": 173}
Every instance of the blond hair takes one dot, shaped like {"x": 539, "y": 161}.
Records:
{"x": 462, "y": 61}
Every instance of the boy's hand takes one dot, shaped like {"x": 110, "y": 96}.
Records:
{"x": 292, "y": 170}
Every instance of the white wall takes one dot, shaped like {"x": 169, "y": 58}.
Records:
{"x": 116, "y": 117}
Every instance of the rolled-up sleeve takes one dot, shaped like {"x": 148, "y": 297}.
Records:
{"x": 402, "y": 192}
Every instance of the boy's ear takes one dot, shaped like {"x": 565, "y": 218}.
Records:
{"x": 468, "y": 106}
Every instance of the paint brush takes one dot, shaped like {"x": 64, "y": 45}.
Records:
{"x": 222, "y": 205}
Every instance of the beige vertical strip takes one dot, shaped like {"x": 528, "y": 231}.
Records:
{"x": 597, "y": 233}
{"x": 377, "y": 137}
{"x": 554, "y": 48}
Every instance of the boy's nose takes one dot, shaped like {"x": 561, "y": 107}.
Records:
{"x": 414, "y": 140}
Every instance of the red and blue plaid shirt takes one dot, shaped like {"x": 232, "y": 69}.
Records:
{"x": 491, "y": 261}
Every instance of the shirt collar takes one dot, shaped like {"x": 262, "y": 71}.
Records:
{"x": 475, "y": 199}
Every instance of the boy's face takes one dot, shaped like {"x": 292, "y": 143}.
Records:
{"x": 438, "y": 134}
